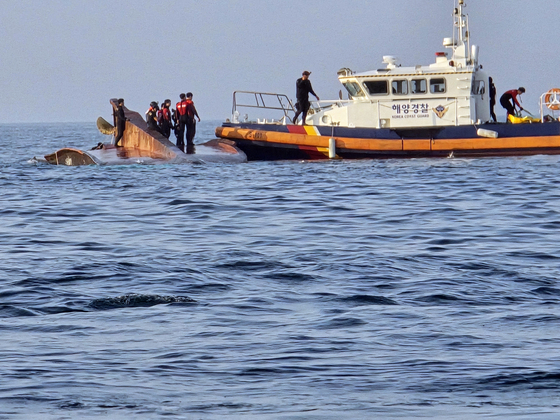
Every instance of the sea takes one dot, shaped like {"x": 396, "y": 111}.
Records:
{"x": 292, "y": 290}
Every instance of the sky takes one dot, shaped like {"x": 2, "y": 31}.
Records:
{"x": 62, "y": 60}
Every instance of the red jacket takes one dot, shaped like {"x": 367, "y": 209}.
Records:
{"x": 164, "y": 115}
{"x": 191, "y": 110}
{"x": 182, "y": 107}
{"x": 514, "y": 93}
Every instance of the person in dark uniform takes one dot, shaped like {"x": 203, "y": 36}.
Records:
{"x": 175, "y": 119}
{"x": 492, "y": 99}
{"x": 509, "y": 100}
{"x": 120, "y": 121}
{"x": 164, "y": 118}
{"x": 191, "y": 123}
{"x": 151, "y": 117}
{"x": 181, "y": 121}
{"x": 303, "y": 89}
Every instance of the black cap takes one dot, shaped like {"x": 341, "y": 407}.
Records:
{"x": 120, "y": 101}
{"x": 182, "y": 96}
{"x": 153, "y": 103}
{"x": 189, "y": 95}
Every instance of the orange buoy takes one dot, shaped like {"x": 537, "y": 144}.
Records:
{"x": 551, "y": 99}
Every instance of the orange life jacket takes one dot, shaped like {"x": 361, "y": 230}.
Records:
{"x": 182, "y": 107}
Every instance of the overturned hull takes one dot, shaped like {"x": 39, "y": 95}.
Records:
{"x": 141, "y": 145}
{"x": 70, "y": 157}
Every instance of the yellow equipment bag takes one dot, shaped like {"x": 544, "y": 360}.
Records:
{"x": 523, "y": 120}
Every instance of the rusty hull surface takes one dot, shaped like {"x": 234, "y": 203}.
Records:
{"x": 141, "y": 145}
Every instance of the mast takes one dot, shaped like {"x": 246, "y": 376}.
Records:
{"x": 460, "y": 43}
{"x": 461, "y": 24}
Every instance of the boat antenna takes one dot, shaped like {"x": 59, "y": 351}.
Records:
{"x": 461, "y": 35}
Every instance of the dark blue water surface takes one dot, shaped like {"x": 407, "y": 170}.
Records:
{"x": 292, "y": 290}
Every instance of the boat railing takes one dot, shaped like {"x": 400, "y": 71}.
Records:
{"x": 261, "y": 100}
{"x": 550, "y": 101}
{"x": 318, "y": 106}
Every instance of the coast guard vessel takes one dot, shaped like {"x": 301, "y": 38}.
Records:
{"x": 438, "y": 110}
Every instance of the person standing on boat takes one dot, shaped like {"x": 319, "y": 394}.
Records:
{"x": 303, "y": 89}
{"x": 191, "y": 123}
{"x": 120, "y": 121}
{"x": 181, "y": 121}
{"x": 509, "y": 101}
{"x": 492, "y": 99}
{"x": 164, "y": 118}
{"x": 175, "y": 119}
{"x": 151, "y": 117}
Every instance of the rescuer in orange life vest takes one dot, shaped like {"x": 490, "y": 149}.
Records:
{"x": 181, "y": 121}
{"x": 191, "y": 123}
{"x": 186, "y": 113}
{"x": 164, "y": 118}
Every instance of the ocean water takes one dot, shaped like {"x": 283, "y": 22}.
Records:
{"x": 290, "y": 290}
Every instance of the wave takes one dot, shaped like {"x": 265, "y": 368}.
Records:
{"x": 137, "y": 301}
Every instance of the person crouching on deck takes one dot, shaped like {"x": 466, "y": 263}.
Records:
{"x": 509, "y": 101}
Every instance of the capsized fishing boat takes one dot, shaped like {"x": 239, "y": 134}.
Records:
{"x": 143, "y": 145}
{"x": 438, "y": 110}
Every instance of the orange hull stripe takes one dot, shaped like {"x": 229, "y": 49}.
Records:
{"x": 306, "y": 140}
{"x": 316, "y": 140}
{"x": 505, "y": 143}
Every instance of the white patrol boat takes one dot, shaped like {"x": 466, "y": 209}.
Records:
{"x": 437, "y": 110}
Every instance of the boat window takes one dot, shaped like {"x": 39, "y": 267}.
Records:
{"x": 399, "y": 87}
{"x": 478, "y": 87}
{"x": 437, "y": 85}
{"x": 418, "y": 85}
{"x": 377, "y": 87}
{"x": 353, "y": 89}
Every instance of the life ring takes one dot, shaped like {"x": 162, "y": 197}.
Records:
{"x": 552, "y": 99}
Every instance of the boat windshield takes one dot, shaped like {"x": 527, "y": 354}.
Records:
{"x": 377, "y": 87}
{"x": 353, "y": 89}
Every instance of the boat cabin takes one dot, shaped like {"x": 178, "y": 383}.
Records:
{"x": 450, "y": 92}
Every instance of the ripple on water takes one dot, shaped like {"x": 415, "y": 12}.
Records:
{"x": 223, "y": 291}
